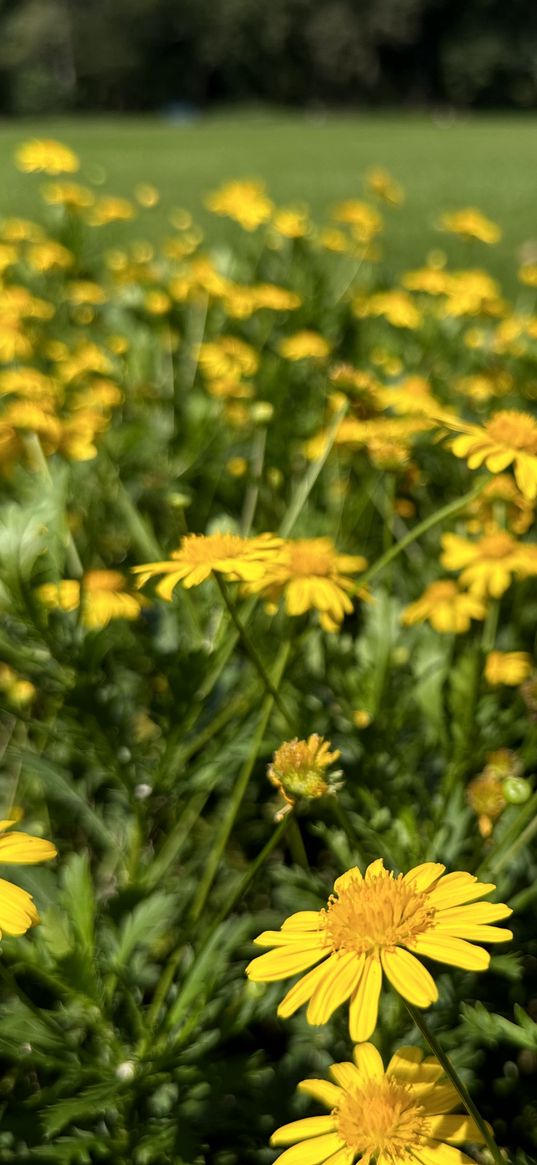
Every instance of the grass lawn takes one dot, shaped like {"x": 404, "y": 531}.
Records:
{"x": 489, "y": 162}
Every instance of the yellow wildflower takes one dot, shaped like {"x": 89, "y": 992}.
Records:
{"x": 375, "y": 924}
{"x": 507, "y": 667}
{"x": 485, "y": 796}
{"x": 471, "y": 224}
{"x": 508, "y": 438}
{"x": 528, "y": 274}
{"x": 488, "y": 564}
{"x": 109, "y": 209}
{"x": 17, "y": 908}
{"x": 291, "y": 222}
{"x": 101, "y": 596}
{"x": 381, "y": 183}
{"x": 244, "y": 201}
{"x": 396, "y": 306}
{"x": 239, "y": 559}
{"x": 310, "y": 575}
{"x": 68, "y": 194}
{"x": 46, "y": 156}
{"x": 393, "y": 1116}
{"x": 47, "y": 256}
{"x": 364, "y": 220}
{"x": 445, "y": 607}
{"x": 147, "y": 195}
{"x": 298, "y": 770}
{"x": 305, "y": 345}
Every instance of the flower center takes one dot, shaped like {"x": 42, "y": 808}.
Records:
{"x": 382, "y": 1118}
{"x": 313, "y": 557}
{"x": 383, "y": 912}
{"x": 201, "y": 548}
{"x": 496, "y": 546}
{"x": 517, "y": 430}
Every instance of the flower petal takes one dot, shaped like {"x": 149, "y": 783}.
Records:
{"x": 310, "y": 1126}
{"x": 283, "y": 963}
{"x": 458, "y": 1128}
{"x": 17, "y": 910}
{"x": 287, "y": 938}
{"x": 22, "y": 847}
{"x": 303, "y": 990}
{"x": 302, "y": 920}
{"x": 477, "y": 913}
{"x": 364, "y": 1005}
{"x": 346, "y": 1075}
{"x": 456, "y": 888}
{"x": 454, "y": 951}
{"x": 323, "y": 1091}
{"x": 313, "y": 1152}
{"x": 422, "y": 877}
{"x": 374, "y": 869}
{"x": 368, "y": 1062}
{"x": 439, "y": 1154}
{"x": 339, "y": 982}
{"x": 409, "y": 977}
{"x": 478, "y": 933}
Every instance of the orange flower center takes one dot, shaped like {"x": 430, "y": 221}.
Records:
{"x": 201, "y": 549}
{"x": 514, "y": 430}
{"x": 382, "y": 1118}
{"x": 315, "y": 557}
{"x": 383, "y": 912}
{"x": 496, "y": 546}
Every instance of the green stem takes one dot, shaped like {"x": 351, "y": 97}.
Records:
{"x": 453, "y": 1075}
{"x": 250, "y": 649}
{"x": 35, "y": 450}
{"x": 235, "y": 800}
{"x": 296, "y": 845}
{"x": 490, "y": 627}
{"x": 422, "y": 528}
{"x": 310, "y": 477}
{"x": 256, "y": 469}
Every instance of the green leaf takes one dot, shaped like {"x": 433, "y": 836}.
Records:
{"x": 78, "y": 896}
{"x": 144, "y": 925}
{"x": 91, "y": 1102}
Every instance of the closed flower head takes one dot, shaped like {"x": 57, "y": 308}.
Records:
{"x": 375, "y": 924}
{"x": 298, "y": 769}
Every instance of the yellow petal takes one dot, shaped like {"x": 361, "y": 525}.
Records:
{"x": 22, "y": 847}
{"x": 454, "y": 951}
{"x": 335, "y": 987}
{"x": 456, "y": 1128}
{"x": 310, "y": 1126}
{"x": 323, "y": 1091}
{"x": 17, "y": 910}
{"x": 302, "y": 920}
{"x": 438, "y": 1098}
{"x": 288, "y": 938}
{"x": 477, "y": 933}
{"x": 476, "y": 913}
{"x": 368, "y": 1061}
{"x": 456, "y": 888}
{"x": 283, "y": 963}
{"x": 422, "y": 877}
{"x": 374, "y": 869}
{"x": 408, "y": 1065}
{"x": 409, "y": 977}
{"x": 364, "y": 1006}
{"x": 346, "y": 1075}
{"x": 346, "y": 879}
{"x": 438, "y": 1154}
{"x": 312, "y": 1152}
{"x": 303, "y": 990}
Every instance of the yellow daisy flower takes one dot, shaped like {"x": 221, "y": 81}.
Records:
{"x": 471, "y": 224}
{"x": 46, "y": 156}
{"x": 507, "y": 667}
{"x": 240, "y": 559}
{"x": 381, "y": 183}
{"x": 445, "y": 607}
{"x": 377, "y": 924}
{"x": 244, "y": 201}
{"x": 17, "y": 909}
{"x": 101, "y": 594}
{"x": 488, "y": 564}
{"x": 311, "y": 576}
{"x": 508, "y": 438}
{"x": 393, "y": 1116}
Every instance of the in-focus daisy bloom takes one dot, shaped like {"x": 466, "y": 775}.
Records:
{"x": 47, "y": 157}
{"x": 102, "y": 596}
{"x": 239, "y": 559}
{"x": 445, "y": 607}
{"x": 17, "y": 909}
{"x": 298, "y": 770}
{"x": 373, "y": 925}
{"x": 471, "y": 224}
{"x": 311, "y": 576}
{"x": 489, "y": 564}
{"x": 396, "y": 1116}
{"x": 507, "y": 667}
{"x": 508, "y": 438}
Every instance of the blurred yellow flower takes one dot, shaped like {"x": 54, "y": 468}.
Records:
{"x": 500, "y": 503}
{"x": 109, "y": 209}
{"x": 244, "y": 201}
{"x": 380, "y": 182}
{"x": 147, "y": 195}
{"x": 485, "y": 796}
{"x": 489, "y": 564}
{"x": 239, "y": 559}
{"x": 17, "y": 909}
{"x": 507, "y": 667}
{"x": 375, "y": 924}
{"x": 471, "y": 224}
{"x": 508, "y": 438}
{"x": 310, "y": 575}
{"x": 291, "y": 222}
{"x": 46, "y": 156}
{"x": 445, "y": 607}
{"x": 69, "y": 194}
{"x": 18, "y": 691}
{"x": 101, "y": 596}
{"x": 305, "y": 345}
{"x": 395, "y": 306}
{"x": 47, "y": 256}
{"x": 365, "y": 220}
{"x": 528, "y": 274}
{"x": 393, "y": 1116}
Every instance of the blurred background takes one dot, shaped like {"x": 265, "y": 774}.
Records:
{"x": 180, "y": 56}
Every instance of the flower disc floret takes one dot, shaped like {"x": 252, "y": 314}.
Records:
{"x": 375, "y": 925}
{"x": 395, "y": 1116}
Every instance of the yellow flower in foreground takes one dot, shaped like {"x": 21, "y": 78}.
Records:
{"x": 471, "y": 224}
{"x": 445, "y": 607}
{"x": 374, "y": 924}
{"x": 488, "y": 564}
{"x": 17, "y": 909}
{"x": 507, "y": 667}
{"x": 239, "y": 559}
{"x": 394, "y": 1116}
{"x": 311, "y": 576}
{"x": 508, "y": 438}
{"x": 102, "y": 596}
{"x": 298, "y": 769}
{"x": 46, "y": 156}
{"x": 244, "y": 201}
{"x": 303, "y": 346}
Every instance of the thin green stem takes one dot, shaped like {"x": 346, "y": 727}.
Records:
{"x": 422, "y": 528}
{"x": 235, "y": 800}
{"x": 310, "y": 477}
{"x": 250, "y": 649}
{"x": 490, "y": 627}
{"x": 453, "y": 1075}
{"x": 296, "y": 845}
{"x": 256, "y": 469}
{"x": 35, "y": 450}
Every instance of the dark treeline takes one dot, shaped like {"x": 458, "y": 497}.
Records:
{"x": 156, "y": 54}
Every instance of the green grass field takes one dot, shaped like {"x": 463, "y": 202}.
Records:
{"x": 490, "y": 162}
